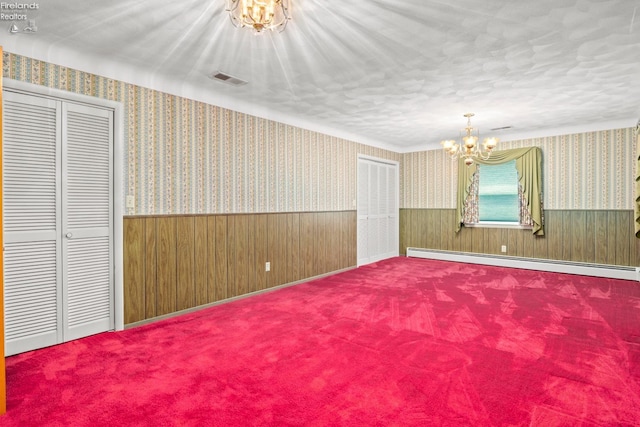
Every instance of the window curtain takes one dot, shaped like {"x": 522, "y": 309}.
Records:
{"x": 529, "y": 167}
{"x": 636, "y": 205}
{"x": 471, "y": 210}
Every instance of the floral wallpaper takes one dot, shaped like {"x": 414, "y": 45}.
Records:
{"x": 184, "y": 156}
{"x": 586, "y": 171}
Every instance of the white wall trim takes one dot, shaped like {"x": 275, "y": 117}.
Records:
{"x": 118, "y": 153}
{"x": 378, "y": 159}
{"x": 584, "y": 269}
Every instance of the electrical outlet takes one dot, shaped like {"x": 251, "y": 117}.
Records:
{"x": 504, "y": 248}
{"x": 267, "y": 266}
{"x": 131, "y": 202}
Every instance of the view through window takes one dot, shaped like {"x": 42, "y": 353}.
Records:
{"x": 498, "y": 199}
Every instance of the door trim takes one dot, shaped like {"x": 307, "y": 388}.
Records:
{"x": 118, "y": 153}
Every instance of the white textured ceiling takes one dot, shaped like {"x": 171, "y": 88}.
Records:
{"x": 398, "y": 74}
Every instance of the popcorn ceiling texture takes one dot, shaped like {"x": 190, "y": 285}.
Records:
{"x": 184, "y": 156}
{"x": 398, "y": 73}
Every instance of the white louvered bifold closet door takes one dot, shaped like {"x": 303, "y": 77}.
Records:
{"x": 58, "y": 221}
{"x": 31, "y": 155}
{"x": 378, "y": 227}
{"x": 87, "y": 211}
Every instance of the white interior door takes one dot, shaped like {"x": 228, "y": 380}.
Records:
{"x": 378, "y": 219}
{"x": 58, "y": 221}
{"x": 87, "y": 201}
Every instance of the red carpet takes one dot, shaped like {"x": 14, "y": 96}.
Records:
{"x": 405, "y": 342}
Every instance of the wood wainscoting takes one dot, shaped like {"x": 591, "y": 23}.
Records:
{"x": 599, "y": 237}
{"x": 177, "y": 262}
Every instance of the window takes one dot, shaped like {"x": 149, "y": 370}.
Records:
{"x": 504, "y": 190}
{"x": 495, "y": 198}
{"x": 498, "y": 199}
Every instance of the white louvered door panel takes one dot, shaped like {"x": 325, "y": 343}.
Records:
{"x": 389, "y": 246}
{"x": 87, "y": 217}
{"x": 375, "y": 223}
{"x": 393, "y": 248}
{"x": 32, "y": 263}
{"x": 384, "y": 229}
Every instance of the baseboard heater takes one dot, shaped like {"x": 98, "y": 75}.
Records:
{"x": 585, "y": 269}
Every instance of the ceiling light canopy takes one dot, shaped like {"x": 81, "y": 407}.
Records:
{"x": 468, "y": 148}
{"x": 259, "y": 14}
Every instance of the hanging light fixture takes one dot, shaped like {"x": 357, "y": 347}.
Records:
{"x": 259, "y": 14}
{"x": 468, "y": 148}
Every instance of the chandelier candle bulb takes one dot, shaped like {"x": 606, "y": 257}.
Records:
{"x": 470, "y": 142}
{"x": 490, "y": 143}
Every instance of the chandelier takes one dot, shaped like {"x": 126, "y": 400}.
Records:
{"x": 259, "y": 14}
{"x": 469, "y": 149}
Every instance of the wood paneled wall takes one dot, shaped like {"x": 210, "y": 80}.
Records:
{"x": 594, "y": 236}
{"x": 173, "y": 263}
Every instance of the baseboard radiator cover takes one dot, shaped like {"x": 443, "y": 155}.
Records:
{"x": 584, "y": 269}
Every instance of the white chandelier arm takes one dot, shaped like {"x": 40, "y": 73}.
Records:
{"x": 483, "y": 156}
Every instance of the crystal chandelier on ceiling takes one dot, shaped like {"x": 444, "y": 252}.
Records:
{"x": 468, "y": 148}
{"x": 259, "y": 14}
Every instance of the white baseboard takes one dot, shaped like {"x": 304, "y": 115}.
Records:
{"x": 585, "y": 269}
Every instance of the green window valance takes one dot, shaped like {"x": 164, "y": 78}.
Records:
{"x": 529, "y": 167}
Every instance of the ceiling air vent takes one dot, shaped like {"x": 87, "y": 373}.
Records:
{"x": 502, "y": 128}
{"x": 226, "y": 78}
